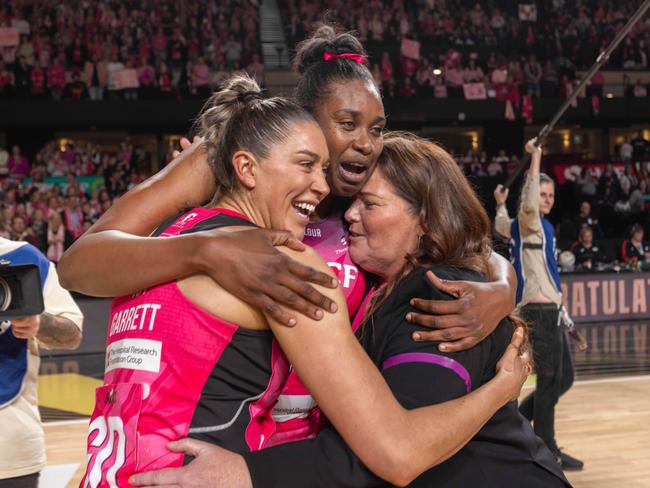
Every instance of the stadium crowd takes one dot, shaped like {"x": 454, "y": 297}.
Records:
{"x": 511, "y": 52}
{"x": 125, "y": 50}
{"x": 53, "y": 198}
{"x": 48, "y": 202}
{"x": 606, "y": 206}
{"x": 158, "y": 49}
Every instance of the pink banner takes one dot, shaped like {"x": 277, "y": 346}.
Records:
{"x": 126, "y": 78}
{"x": 9, "y": 37}
{"x": 474, "y": 91}
{"x": 528, "y": 12}
{"x": 567, "y": 172}
{"x": 410, "y": 49}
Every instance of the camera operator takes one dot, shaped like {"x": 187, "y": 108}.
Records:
{"x": 22, "y": 442}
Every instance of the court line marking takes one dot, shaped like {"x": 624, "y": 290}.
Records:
{"x": 616, "y": 379}
{"x": 68, "y": 422}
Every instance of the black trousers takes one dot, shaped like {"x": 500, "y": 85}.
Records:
{"x": 554, "y": 367}
{"x": 28, "y": 481}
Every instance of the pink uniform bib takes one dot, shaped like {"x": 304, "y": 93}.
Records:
{"x": 296, "y": 412}
{"x": 174, "y": 370}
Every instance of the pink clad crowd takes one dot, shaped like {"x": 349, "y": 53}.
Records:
{"x": 126, "y": 50}
{"x": 51, "y": 214}
{"x": 488, "y": 42}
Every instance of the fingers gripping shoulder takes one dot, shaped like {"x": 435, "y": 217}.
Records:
{"x": 308, "y": 257}
{"x": 310, "y": 260}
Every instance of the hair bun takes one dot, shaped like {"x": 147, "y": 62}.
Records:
{"x": 325, "y": 39}
{"x": 249, "y": 96}
{"x": 237, "y": 92}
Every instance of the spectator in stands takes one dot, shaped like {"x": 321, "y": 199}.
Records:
{"x": 39, "y": 227}
{"x": 587, "y": 184}
{"x": 640, "y": 148}
{"x": 628, "y": 179}
{"x": 201, "y": 78}
{"x": 587, "y": 253}
{"x": 54, "y": 205}
{"x": 473, "y": 72}
{"x": 626, "y": 152}
{"x": 72, "y": 214}
{"x": 20, "y": 231}
{"x": 37, "y": 81}
{"x": 6, "y": 82}
{"x": 56, "y": 78}
{"x": 495, "y": 167}
{"x": 146, "y": 78}
{"x": 639, "y": 90}
{"x": 130, "y": 92}
{"x": 387, "y": 75}
{"x": 233, "y": 51}
{"x": 164, "y": 81}
{"x": 56, "y": 237}
{"x": 454, "y": 80}
{"x": 584, "y": 218}
{"x": 550, "y": 80}
{"x": 424, "y": 79}
{"x": 597, "y": 82}
{"x": 4, "y": 156}
{"x": 113, "y": 68}
{"x": 26, "y": 49}
{"x": 609, "y": 187}
{"x": 95, "y": 77}
{"x": 22, "y": 77}
{"x": 17, "y": 163}
{"x": 407, "y": 89}
{"x": 256, "y": 70}
{"x": 533, "y": 73}
{"x": 635, "y": 249}
{"x": 640, "y": 198}
{"x": 76, "y": 89}
{"x": 623, "y": 206}
{"x": 76, "y": 53}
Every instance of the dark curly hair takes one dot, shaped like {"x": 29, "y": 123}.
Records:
{"x": 315, "y": 74}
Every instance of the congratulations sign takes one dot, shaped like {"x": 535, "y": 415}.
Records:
{"x": 607, "y": 296}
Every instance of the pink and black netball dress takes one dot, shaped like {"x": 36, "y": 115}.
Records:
{"x": 296, "y": 412}
{"x": 173, "y": 370}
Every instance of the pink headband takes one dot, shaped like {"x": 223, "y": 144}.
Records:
{"x": 357, "y": 58}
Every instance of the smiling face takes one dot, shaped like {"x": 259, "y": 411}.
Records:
{"x": 383, "y": 228}
{"x": 290, "y": 183}
{"x": 352, "y": 119}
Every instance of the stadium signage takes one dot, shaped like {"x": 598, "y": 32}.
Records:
{"x": 607, "y": 296}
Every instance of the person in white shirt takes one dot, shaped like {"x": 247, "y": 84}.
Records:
{"x": 22, "y": 442}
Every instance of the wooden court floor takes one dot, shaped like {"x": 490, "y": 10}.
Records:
{"x": 604, "y": 422}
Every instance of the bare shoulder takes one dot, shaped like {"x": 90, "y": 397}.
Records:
{"x": 310, "y": 257}
{"x": 207, "y": 294}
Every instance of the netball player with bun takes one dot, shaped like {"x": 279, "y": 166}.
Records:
{"x": 188, "y": 358}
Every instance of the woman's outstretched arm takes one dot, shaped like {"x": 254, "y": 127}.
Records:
{"x": 114, "y": 258}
